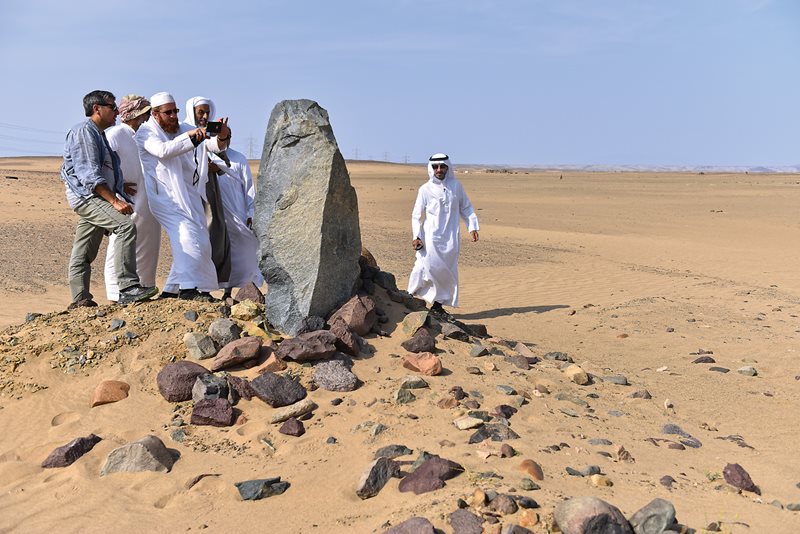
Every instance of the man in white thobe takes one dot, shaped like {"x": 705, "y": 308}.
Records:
{"x": 175, "y": 164}
{"x": 199, "y": 111}
{"x": 133, "y": 112}
{"x": 435, "y": 225}
{"x": 238, "y": 200}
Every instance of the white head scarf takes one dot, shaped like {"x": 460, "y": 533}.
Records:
{"x": 440, "y": 158}
{"x": 197, "y": 101}
{"x": 159, "y": 99}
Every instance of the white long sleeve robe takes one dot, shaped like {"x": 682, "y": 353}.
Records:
{"x": 148, "y": 230}
{"x": 238, "y": 199}
{"x": 171, "y": 163}
{"x": 435, "y": 220}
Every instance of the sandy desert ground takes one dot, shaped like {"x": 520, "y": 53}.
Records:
{"x": 628, "y": 274}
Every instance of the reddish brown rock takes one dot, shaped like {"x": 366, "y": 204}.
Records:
{"x": 250, "y": 292}
{"x": 358, "y": 314}
{"x": 532, "y": 468}
{"x": 69, "y": 453}
{"x": 292, "y": 427}
{"x": 736, "y": 476}
{"x": 236, "y": 352}
{"x": 175, "y": 380}
{"x": 430, "y": 475}
{"x": 346, "y": 339}
{"x": 109, "y": 391}
{"x": 317, "y": 345}
{"x": 241, "y": 386}
{"x": 424, "y": 363}
{"x": 465, "y": 522}
{"x": 214, "y": 412}
{"x": 272, "y": 365}
{"x": 415, "y": 525}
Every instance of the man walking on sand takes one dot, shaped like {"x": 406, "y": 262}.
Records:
{"x": 175, "y": 165}
{"x": 133, "y": 112}
{"x": 94, "y": 189}
{"x": 435, "y": 225}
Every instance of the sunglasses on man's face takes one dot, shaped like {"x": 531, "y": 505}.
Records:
{"x": 168, "y": 111}
{"x": 112, "y": 106}
{"x": 437, "y": 166}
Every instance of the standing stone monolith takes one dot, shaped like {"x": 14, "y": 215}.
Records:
{"x": 306, "y": 217}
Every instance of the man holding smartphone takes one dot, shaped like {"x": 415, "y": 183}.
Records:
{"x": 175, "y": 164}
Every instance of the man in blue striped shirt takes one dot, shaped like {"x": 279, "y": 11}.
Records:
{"x": 94, "y": 188}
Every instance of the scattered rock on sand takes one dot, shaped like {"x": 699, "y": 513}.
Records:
{"x": 465, "y": 522}
{"x": 213, "y": 412}
{"x": 421, "y": 341}
{"x": 584, "y": 515}
{"x": 425, "y": 363}
{"x": 292, "y": 427}
{"x": 109, "y": 391}
{"x": 736, "y": 476}
{"x": 250, "y": 292}
{"x": 657, "y": 516}
{"x": 295, "y": 410}
{"x": 577, "y": 375}
{"x": 415, "y": 525}
{"x": 236, "y": 352}
{"x": 199, "y": 346}
{"x": 358, "y": 314}
{"x": 334, "y": 375}
{"x": 253, "y": 490}
{"x": 146, "y": 454}
{"x": 210, "y": 386}
{"x": 176, "y": 380}
{"x": 317, "y": 345}
{"x": 69, "y": 453}
{"x": 277, "y": 390}
{"x": 376, "y": 476}
{"x": 223, "y": 331}
{"x": 430, "y": 475}
{"x": 533, "y": 469}
{"x": 747, "y": 370}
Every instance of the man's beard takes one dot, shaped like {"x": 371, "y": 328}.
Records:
{"x": 171, "y": 128}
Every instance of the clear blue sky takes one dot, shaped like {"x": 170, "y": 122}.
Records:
{"x": 661, "y": 82}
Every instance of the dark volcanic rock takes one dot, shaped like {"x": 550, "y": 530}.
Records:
{"x": 588, "y": 515}
{"x": 421, "y": 341}
{"x": 451, "y": 331}
{"x": 214, "y": 412}
{"x": 241, "y": 386}
{"x": 465, "y": 522}
{"x": 276, "y": 390}
{"x": 292, "y": 427}
{"x": 318, "y": 345}
{"x": 736, "y": 476}
{"x": 176, "y": 380}
{"x": 69, "y": 453}
{"x": 392, "y": 451}
{"x": 494, "y": 432}
{"x": 376, "y": 476}
{"x": 253, "y": 490}
{"x": 430, "y": 475}
{"x": 704, "y": 359}
{"x": 654, "y": 518}
{"x": 306, "y": 217}
{"x": 415, "y": 525}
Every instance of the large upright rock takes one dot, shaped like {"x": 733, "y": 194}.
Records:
{"x": 306, "y": 217}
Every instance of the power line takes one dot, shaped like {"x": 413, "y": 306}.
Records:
{"x": 29, "y": 129}
{"x": 11, "y": 137}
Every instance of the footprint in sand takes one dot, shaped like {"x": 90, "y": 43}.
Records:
{"x": 66, "y": 417}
